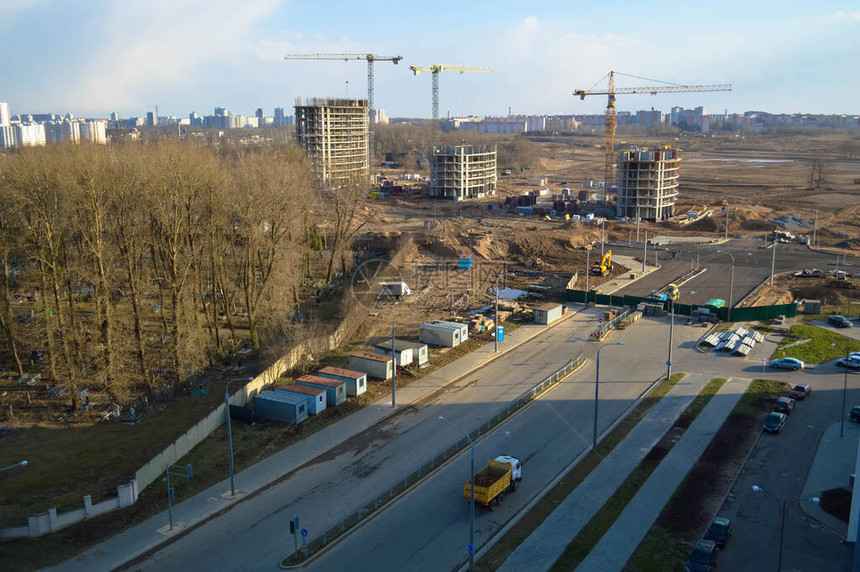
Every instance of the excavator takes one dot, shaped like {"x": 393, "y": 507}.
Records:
{"x": 603, "y": 266}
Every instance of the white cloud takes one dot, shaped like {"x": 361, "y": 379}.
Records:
{"x": 853, "y": 16}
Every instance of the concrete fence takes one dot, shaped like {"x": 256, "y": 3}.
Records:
{"x": 48, "y": 522}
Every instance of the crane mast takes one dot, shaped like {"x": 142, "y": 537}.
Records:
{"x": 609, "y": 166}
{"x": 435, "y": 69}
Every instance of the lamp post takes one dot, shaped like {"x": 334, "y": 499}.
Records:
{"x": 587, "y": 272}
{"x": 773, "y": 261}
{"x": 496, "y": 318}
{"x": 596, "y": 386}
{"x": 394, "y": 357}
{"x": 844, "y": 391}
{"x": 230, "y": 431}
{"x": 671, "y": 334}
{"x": 783, "y": 512}
{"x": 471, "y": 547}
{"x": 18, "y": 464}
{"x": 644, "y": 251}
{"x": 731, "y": 285}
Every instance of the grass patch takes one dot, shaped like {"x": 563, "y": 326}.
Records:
{"x": 819, "y": 349}
{"x": 686, "y": 516}
{"x": 592, "y": 532}
{"x": 544, "y": 507}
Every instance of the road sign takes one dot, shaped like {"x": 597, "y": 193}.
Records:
{"x": 668, "y": 363}
{"x": 470, "y": 548}
{"x": 304, "y": 533}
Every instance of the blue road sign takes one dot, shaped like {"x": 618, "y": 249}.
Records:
{"x": 304, "y": 532}
{"x": 470, "y": 548}
{"x": 668, "y": 363}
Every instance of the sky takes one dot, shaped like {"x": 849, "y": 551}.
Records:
{"x": 92, "y": 57}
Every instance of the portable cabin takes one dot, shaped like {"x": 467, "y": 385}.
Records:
{"x": 547, "y": 313}
{"x": 403, "y": 351}
{"x": 420, "y": 353}
{"x": 315, "y": 396}
{"x": 440, "y": 333}
{"x": 356, "y": 381}
{"x": 281, "y": 406}
{"x": 380, "y": 367}
{"x": 335, "y": 390}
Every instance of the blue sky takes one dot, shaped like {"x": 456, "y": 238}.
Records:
{"x": 91, "y": 57}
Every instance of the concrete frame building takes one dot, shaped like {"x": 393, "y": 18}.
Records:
{"x": 648, "y": 183}
{"x": 335, "y": 134}
{"x": 463, "y": 172}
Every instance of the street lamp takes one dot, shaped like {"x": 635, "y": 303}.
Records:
{"x": 731, "y": 284}
{"x": 773, "y": 261}
{"x": 597, "y": 385}
{"x": 587, "y": 271}
{"x": 230, "y": 431}
{"x": 394, "y": 357}
{"x": 471, "y": 546}
{"x": 18, "y": 464}
{"x": 844, "y": 391}
{"x": 783, "y": 511}
{"x": 496, "y": 318}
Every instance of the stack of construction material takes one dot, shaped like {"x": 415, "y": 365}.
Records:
{"x": 655, "y": 310}
{"x": 738, "y": 341}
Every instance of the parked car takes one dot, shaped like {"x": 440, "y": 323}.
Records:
{"x": 774, "y": 422}
{"x": 839, "y": 321}
{"x": 719, "y": 531}
{"x": 855, "y": 414}
{"x": 784, "y": 405}
{"x": 800, "y": 391}
{"x": 850, "y": 362}
{"x": 791, "y": 363}
{"x": 703, "y": 558}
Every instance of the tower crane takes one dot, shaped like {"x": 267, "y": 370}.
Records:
{"x": 609, "y": 176}
{"x": 435, "y": 69}
{"x": 370, "y": 58}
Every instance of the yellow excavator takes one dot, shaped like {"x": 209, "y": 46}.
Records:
{"x": 603, "y": 266}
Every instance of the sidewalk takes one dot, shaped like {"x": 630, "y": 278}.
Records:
{"x": 833, "y": 463}
{"x": 207, "y": 504}
{"x": 544, "y": 546}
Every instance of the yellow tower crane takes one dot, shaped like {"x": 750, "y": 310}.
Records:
{"x": 370, "y": 58}
{"x": 435, "y": 69}
{"x": 609, "y": 168}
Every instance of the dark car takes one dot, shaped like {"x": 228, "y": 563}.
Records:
{"x": 719, "y": 531}
{"x": 839, "y": 321}
{"x": 774, "y": 422}
{"x": 800, "y": 391}
{"x": 784, "y": 405}
{"x": 703, "y": 558}
{"x": 855, "y": 414}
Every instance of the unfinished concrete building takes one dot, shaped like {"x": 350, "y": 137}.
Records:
{"x": 335, "y": 135}
{"x": 463, "y": 172}
{"x": 647, "y": 182}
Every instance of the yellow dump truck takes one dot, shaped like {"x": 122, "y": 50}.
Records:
{"x": 493, "y": 482}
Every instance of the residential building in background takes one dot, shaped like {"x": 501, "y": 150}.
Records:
{"x": 647, "y": 182}
{"x": 4, "y": 115}
{"x": 463, "y": 172}
{"x": 335, "y": 135}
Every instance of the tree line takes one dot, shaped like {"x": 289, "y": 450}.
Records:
{"x": 134, "y": 266}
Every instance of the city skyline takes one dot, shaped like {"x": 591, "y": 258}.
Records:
{"x": 193, "y": 55}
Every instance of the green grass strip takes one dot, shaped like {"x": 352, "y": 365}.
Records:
{"x": 592, "y": 532}
{"x": 667, "y": 544}
{"x": 819, "y": 349}
{"x": 544, "y": 507}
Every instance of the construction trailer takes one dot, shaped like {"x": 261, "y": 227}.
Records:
{"x": 315, "y": 396}
{"x": 441, "y": 333}
{"x": 281, "y": 406}
{"x": 335, "y": 391}
{"x": 394, "y": 289}
{"x": 356, "y": 381}
{"x": 548, "y": 313}
{"x": 379, "y": 367}
{"x": 420, "y": 352}
{"x": 403, "y": 351}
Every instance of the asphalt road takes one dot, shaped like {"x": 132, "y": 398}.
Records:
{"x": 254, "y": 534}
{"x": 779, "y": 464}
{"x": 752, "y": 266}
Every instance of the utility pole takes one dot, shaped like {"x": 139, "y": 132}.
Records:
{"x": 773, "y": 261}
{"x": 815, "y": 227}
{"x": 644, "y": 252}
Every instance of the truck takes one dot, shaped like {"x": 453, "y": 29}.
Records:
{"x": 501, "y": 475}
{"x": 670, "y": 292}
{"x": 602, "y": 266}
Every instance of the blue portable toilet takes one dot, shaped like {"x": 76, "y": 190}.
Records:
{"x": 281, "y": 406}
{"x": 500, "y": 333}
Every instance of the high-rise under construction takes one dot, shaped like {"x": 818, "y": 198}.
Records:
{"x": 463, "y": 172}
{"x": 647, "y": 182}
{"x": 335, "y": 135}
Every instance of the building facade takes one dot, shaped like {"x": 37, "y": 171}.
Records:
{"x": 335, "y": 135}
{"x": 647, "y": 182}
{"x": 463, "y": 172}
